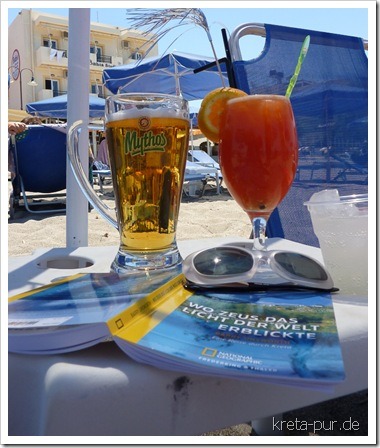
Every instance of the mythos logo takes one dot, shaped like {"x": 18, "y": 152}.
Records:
{"x": 138, "y": 143}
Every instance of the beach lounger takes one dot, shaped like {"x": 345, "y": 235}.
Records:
{"x": 197, "y": 177}
{"x": 39, "y": 156}
{"x": 100, "y": 176}
{"x": 100, "y": 172}
{"x": 202, "y": 158}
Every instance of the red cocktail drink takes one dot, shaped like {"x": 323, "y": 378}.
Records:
{"x": 258, "y": 151}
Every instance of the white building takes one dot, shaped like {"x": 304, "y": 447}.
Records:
{"x": 38, "y": 50}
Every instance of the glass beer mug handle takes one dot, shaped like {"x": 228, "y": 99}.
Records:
{"x": 80, "y": 176}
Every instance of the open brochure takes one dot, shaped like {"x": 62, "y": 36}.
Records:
{"x": 277, "y": 336}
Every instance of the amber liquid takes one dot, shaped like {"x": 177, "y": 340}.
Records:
{"x": 148, "y": 158}
{"x": 258, "y": 151}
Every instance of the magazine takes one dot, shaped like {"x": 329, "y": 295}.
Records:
{"x": 277, "y": 336}
{"x": 72, "y": 313}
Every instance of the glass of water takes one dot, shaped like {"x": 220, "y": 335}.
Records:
{"x": 341, "y": 225}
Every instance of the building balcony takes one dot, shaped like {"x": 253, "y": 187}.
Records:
{"x": 104, "y": 61}
{"x": 45, "y": 94}
{"x": 56, "y": 57}
{"x": 51, "y": 57}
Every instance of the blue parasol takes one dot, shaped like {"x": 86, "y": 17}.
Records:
{"x": 56, "y": 107}
{"x": 172, "y": 73}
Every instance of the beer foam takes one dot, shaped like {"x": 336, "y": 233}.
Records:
{"x": 147, "y": 112}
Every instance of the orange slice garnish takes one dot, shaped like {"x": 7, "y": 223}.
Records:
{"x": 211, "y": 108}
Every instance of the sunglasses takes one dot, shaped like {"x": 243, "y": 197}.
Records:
{"x": 235, "y": 266}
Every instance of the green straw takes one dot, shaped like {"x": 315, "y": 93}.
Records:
{"x": 301, "y": 57}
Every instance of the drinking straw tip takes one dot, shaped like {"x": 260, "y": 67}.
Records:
{"x": 301, "y": 57}
{"x": 305, "y": 45}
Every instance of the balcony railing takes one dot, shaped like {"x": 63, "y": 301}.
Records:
{"x": 104, "y": 58}
{"x": 58, "y": 92}
{"x": 64, "y": 53}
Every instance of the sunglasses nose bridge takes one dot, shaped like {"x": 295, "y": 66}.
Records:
{"x": 261, "y": 258}
{"x": 262, "y": 262}
{"x": 261, "y": 268}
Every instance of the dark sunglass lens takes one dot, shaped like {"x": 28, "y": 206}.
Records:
{"x": 223, "y": 261}
{"x": 301, "y": 266}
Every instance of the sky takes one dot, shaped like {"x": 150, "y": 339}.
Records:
{"x": 343, "y": 17}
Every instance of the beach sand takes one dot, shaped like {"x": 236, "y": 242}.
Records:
{"x": 210, "y": 216}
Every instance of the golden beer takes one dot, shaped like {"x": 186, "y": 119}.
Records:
{"x": 147, "y": 137}
{"x": 148, "y": 156}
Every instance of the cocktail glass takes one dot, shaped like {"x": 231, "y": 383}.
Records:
{"x": 258, "y": 155}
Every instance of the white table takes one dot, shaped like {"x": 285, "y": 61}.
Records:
{"x": 101, "y": 392}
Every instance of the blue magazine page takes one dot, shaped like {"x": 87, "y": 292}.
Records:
{"x": 279, "y": 336}
{"x": 72, "y": 313}
{"x": 276, "y": 336}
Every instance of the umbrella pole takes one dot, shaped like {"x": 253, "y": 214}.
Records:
{"x": 78, "y": 109}
{"x": 176, "y": 77}
{"x": 192, "y": 139}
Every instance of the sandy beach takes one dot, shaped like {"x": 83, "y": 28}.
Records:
{"x": 206, "y": 217}
{"x": 210, "y": 216}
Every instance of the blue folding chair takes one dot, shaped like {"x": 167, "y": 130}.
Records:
{"x": 40, "y": 168}
{"x": 330, "y": 103}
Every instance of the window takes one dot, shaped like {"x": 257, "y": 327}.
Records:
{"x": 52, "y": 84}
{"x": 50, "y": 43}
{"x": 136, "y": 55}
{"x": 97, "y": 89}
{"x": 94, "y": 49}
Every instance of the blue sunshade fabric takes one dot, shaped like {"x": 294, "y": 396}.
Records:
{"x": 56, "y": 107}
{"x": 172, "y": 73}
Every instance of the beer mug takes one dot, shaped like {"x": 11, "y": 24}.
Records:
{"x": 147, "y": 137}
